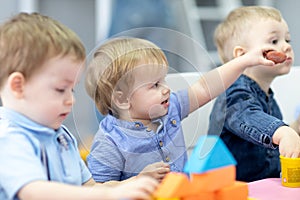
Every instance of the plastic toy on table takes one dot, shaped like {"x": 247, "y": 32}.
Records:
{"x": 212, "y": 172}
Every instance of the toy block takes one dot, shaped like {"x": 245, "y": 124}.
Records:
{"x": 174, "y": 185}
{"x": 209, "y": 153}
{"x": 214, "y": 179}
{"x": 201, "y": 195}
{"x": 166, "y": 198}
{"x": 237, "y": 191}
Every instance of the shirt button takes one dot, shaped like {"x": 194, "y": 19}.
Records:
{"x": 161, "y": 143}
{"x": 137, "y": 125}
{"x": 167, "y": 158}
{"x": 148, "y": 129}
{"x": 266, "y": 139}
{"x": 173, "y": 122}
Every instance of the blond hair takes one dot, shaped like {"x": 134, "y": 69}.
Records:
{"x": 228, "y": 34}
{"x": 111, "y": 62}
{"x": 28, "y": 40}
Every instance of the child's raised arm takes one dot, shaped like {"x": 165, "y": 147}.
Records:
{"x": 216, "y": 81}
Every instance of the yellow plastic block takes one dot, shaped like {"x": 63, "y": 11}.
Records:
{"x": 174, "y": 185}
{"x": 236, "y": 191}
{"x": 84, "y": 153}
{"x": 200, "y": 196}
{"x": 214, "y": 179}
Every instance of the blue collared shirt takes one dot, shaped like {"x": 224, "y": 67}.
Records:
{"x": 122, "y": 149}
{"x": 31, "y": 152}
{"x": 246, "y": 119}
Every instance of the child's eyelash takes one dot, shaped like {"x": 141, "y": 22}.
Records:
{"x": 60, "y": 90}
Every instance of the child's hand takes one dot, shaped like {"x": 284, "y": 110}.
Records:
{"x": 156, "y": 170}
{"x": 296, "y": 125}
{"x": 288, "y": 141}
{"x": 257, "y": 57}
{"x": 138, "y": 188}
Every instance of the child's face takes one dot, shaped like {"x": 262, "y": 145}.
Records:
{"x": 274, "y": 35}
{"x": 48, "y": 94}
{"x": 150, "y": 95}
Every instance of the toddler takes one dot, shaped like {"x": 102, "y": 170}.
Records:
{"x": 247, "y": 116}
{"x": 141, "y": 133}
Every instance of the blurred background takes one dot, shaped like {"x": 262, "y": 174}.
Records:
{"x": 182, "y": 28}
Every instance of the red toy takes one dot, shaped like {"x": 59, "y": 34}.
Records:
{"x": 275, "y": 56}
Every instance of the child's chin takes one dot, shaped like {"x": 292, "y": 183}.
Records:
{"x": 55, "y": 126}
{"x": 157, "y": 115}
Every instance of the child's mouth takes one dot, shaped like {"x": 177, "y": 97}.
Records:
{"x": 165, "y": 101}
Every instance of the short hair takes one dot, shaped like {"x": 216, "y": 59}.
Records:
{"x": 111, "y": 62}
{"x": 228, "y": 34}
{"x": 29, "y": 40}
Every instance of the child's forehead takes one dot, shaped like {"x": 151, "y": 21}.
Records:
{"x": 66, "y": 68}
{"x": 267, "y": 24}
{"x": 270, "y": 25}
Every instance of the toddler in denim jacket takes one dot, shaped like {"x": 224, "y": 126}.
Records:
{"x": 247, "y": 116}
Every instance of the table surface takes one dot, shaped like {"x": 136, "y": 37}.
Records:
{"x": 271, "y": 189}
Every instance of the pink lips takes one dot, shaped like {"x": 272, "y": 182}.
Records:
{"x": 64, "y": 115}
{"x": 165, "y": 103}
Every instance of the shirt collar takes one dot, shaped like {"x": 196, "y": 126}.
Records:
{"x": 256, "y": 86}
{"x": 132, "y": 125}
{"x": 17, "y": 119}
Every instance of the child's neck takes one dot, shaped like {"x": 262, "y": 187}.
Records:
{"x": 263, "y": 82}
{"x": 146, "y": 122}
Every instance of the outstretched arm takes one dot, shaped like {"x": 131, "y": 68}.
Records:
{"x": 216, "y": 81}
{"x": 139, "y": 188}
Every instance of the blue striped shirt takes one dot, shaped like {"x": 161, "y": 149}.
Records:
{"x": 122, "y": 149}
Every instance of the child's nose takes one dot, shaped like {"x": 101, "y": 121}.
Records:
{"x": 70, "y": 99}
{"x": 287, "y": 47}
{"x": 166, "y": 89}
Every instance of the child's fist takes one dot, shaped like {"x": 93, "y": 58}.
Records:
{"x": 275, "y": 56}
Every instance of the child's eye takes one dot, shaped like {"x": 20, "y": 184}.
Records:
{"x": 156, "y": 85}
{"x": 288, "y": 41}
{"x": 274, "y": 41}
{"x": 60, "y": 90}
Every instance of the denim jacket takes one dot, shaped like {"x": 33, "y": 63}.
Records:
{"x": 246, "y": 119}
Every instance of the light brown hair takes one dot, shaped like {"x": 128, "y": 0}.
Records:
{"x": 111, "y": 62}
{"x": 28, "y": 40}
{"x": 228, "y": 34}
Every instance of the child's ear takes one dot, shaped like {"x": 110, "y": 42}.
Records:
{"x": 120, "y": 100}
{"x": 16, "y": 83}
{"x": 238, "y": 51}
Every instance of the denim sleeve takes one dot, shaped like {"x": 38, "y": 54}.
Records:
{"x": 252, "y": 118}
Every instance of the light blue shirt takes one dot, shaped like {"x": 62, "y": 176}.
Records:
{"x": 22, "y": 146}
{"x": 122, "y": 149}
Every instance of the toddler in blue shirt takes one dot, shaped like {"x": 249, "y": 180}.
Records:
{"x": 40, "y": 63}
{"x": 141, "y": 132}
